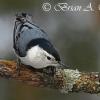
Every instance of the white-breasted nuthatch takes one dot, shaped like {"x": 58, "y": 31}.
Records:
{"x": 32, "y": 45}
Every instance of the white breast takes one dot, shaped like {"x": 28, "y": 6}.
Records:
{"x": 33, "y": 58}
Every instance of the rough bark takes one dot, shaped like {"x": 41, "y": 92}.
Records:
{"x": 65, "y": 80}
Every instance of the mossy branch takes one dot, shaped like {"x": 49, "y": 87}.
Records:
{"x": 65, "y": 80}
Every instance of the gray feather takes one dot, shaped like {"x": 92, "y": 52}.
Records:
{"x": 24, "y": 36}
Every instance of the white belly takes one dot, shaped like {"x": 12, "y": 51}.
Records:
{"x": 33, "y": 58}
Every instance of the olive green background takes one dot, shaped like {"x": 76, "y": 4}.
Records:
{"x": 76, "y": 35}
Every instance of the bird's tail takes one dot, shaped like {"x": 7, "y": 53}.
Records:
{"x": 23, "y": 17}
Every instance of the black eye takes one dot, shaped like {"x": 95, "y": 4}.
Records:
{"x": 48, "y": 58}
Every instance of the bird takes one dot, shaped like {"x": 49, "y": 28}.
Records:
{"x": 32, "y": 45}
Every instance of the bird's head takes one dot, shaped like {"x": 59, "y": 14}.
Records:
{"x": 41, "y": 53}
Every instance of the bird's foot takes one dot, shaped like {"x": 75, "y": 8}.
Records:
{"x": 50, "y": 71}
{"x": 18, "y": 71}
{"x": 18, "y": 67}
{"x": 48, "y": 74}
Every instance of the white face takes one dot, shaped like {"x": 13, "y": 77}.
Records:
{"x": 38, "y": 58}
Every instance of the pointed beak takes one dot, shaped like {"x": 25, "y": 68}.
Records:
{"x": 62, "y": 64}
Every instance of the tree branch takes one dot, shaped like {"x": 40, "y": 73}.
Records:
{"x": 66, "y": 80}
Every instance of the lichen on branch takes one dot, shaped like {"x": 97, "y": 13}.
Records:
{"x": 65, "y": 80}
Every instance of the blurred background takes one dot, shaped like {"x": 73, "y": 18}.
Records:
{"x": 76, "y": 35}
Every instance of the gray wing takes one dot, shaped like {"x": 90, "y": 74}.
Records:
{"x": 24, "y": 35}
